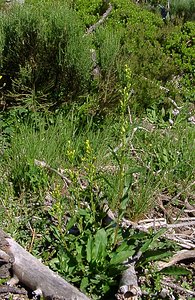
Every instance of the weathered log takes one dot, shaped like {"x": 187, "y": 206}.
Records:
{"x": 29, "y": 271}
{"x": 128, "y": 287}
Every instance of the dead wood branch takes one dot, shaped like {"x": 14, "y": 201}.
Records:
{"x": 184, "y": 190}
{"x": 101, "y": 20}
{"x": 13, "y": 290}
{"x": 179, "y": 256}
{"x": 35, "y": 275}
{"x": 190, "y": 207}
{"x": 128, "y": 287}
{"x": 167, "y": 91}
{"x": 128, "y": 140}
{"x": 43, "y": 164}
{"x": 181, "y": 242}
{"x": 177, "y": 288}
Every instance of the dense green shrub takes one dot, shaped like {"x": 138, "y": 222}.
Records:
{"x": 46, "y": 57}
{"x": 43, "y": 49}
{"x": 179, "y": 46}
{"x": 183, "y": 8}
{"x": 88, "y": 11}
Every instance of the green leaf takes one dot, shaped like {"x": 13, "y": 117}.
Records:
{"x": 123, "y": 247}
{"x": 119, "y": 258}
{"x": 107, "y": 181}
{"x": 146, "y": 245}
{"x": 79, "y": 253}
{"x": 84, "y": 283}
{"x": 159, "y": 233}
{"x": 70, "y": 223}
{"x": 83, "y": 212}
{"x": 100, "y": 244}
{"x": 53, "y": 262}
{"x": 151, "y": 241}
{"x": 89, "y": 249}
{"x": 175, "y": 271}
{"x": 115, "y": 155}
{"x": 153, "y": 255}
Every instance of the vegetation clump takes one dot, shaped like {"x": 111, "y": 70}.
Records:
{"x": 97, "y": 132}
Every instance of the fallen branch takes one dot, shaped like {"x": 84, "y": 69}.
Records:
{"x": 101, "y": 20}
{"x": 164, "y": 223}
{"x": 179, "y": 256}
{"x": 43, "y": 164}
{"x": 177, "y": 288}
{"x": 167, "y": 91}
{"x": 185, "y": 189}
{"x": 128, "y": 287}
{"x": 128, "y": 139}
{"x": 29, "y": 271}
{"x": 190, "y": 207}
{"x": 186, "y": 244}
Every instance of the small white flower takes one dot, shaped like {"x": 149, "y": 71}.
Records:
{"x": 171, "y": 121}
{"x": 175, "y": 112}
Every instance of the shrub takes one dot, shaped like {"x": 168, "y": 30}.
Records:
{"x": 183, "y": 8}
{"x": 43, "y": 49}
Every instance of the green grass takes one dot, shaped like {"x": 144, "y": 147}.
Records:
{"x": 151, "y": 159}
{"x": 115, "y": 139}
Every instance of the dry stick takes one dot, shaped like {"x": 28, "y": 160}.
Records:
{"x": 129, "y": 138}
{"x": 167, "y": 91}
{"x": 184, "y": 243}
{"x": 163, "y": 219}
{"x": 45, "y": 165}
{"x": 181, "y": 255}
{"x": 190, "y": 207}
{"x": 177, "y": 288}
{"x": 183, "y": 224}
{"x": 101, "y": 20}
{"x": 177, "y": 196}
{"x": 178, "y": 225}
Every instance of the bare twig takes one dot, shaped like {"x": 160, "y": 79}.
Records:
{"x": 146, "y": 221}
{"x": 164, "y": 224}
{"x": 101, "y": 20}
{"x": 182, "y": 224}
{"x": 167, "y": 91}
{"x": 177, "y": 196}
{"x": 129, "y": 138}
{"x": 182, "y": 242}
{"x": 191, "y": 208}
{"x": 130, "y": 117}
{"x": 43, "y": 164}
{"x": 179, "y": 256}
{"x": 177, "y": 288}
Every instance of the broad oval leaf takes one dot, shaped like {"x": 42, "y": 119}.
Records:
{"x": 89, "y": 249}
{"x": 100, "y": 244}
{"x": 175, "y": 271}
{"x": 119, "y": 258}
